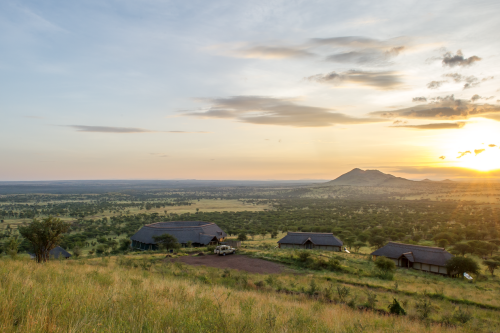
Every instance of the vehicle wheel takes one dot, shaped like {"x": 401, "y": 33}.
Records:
{"x": 223, "y": 254}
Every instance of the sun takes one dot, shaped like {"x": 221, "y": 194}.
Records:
{"x": 476, "y": 146}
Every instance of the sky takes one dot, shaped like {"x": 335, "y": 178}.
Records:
{"x": 255, "y": 90}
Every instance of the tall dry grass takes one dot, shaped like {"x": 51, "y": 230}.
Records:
{"x": 74, "y": 296}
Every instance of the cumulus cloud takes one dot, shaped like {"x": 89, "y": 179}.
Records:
{"x": 274, "y": 52}
{"x": 385, "y": 80}
{"x": 435, "y": 84}
{"x": 109, "y": 129}
{"x": 443, "y": 108}
{"x": 458, "y": 59}
{"x": 478, "y": 151}
{"x": 435, "y": 126}
{"x": 475, "y": 98}
{"x": 399, "y": 122}
{"x": 442, "y": 157}
{"x": 273, "y": 111}
{"x": 419, "y": 99}
{"x": 492, "y": 145}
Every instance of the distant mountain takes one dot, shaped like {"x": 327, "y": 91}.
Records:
{"x": 358, "y": 177}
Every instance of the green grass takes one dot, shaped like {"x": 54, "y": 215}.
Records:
{"x": 141, "y": 294}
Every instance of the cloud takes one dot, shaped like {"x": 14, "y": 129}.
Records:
{"x": 359, "y": 42}
{"x": 470, "y": 81}
{"x": 365, "y": 56}
{"x": 435, "y": 84}
{"x": 397, "y": 122}
{"x": 462, "y": 154}
{"x": 443, "y": 108}
{"x": 435, "y": 126}
{"x": 445, "y": 172}
{"x": 492, "y": 145}
{"x": 419, "y": 99}
{"x": 109, "y": 129}
{"x": 273, "y": 111}
{"x": 458, "y": 59}
{"x": 385, "y": 80}
{"x": 274, "y": 52}
{"x": 442, "y": 157}
{"x": 475, "y": 98}
{"x": 478, "y": 151}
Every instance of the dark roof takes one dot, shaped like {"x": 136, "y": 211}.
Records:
{"x": 316, "y": 238}
{"x": 55, "y": 253}
{"x": 424, "y": 254}
{"x": 59, "y": 251}
{"x": 185, "y": 231}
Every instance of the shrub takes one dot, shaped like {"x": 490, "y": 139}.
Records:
{"x": 385, "y": 264}
{"x": 211, "y": 249}
{"x": 424, "y": 307}
{"x": 371, "y": 299}
{"x": 462, "y": 316}
{"x": 304, "y": 255}
{"x": 343, "y": 292}
{"x": 460, "y": 265}
{"x": 396, "y": 308}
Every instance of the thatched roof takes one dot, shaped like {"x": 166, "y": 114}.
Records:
{"x": 415, "y": 253}
{"x": 185, "y": 231}
{"x": 317, "y": 238}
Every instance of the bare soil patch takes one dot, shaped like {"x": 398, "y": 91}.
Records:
{"x": 244, "y": 263}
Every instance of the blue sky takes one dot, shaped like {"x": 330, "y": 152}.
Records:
{"x": 247, "y": 90}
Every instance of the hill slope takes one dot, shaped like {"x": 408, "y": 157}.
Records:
{"x": 358, "y": 177}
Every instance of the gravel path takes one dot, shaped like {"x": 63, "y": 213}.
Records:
{"x": 235, "y": 261}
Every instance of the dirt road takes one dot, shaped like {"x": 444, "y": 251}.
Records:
{"x": 234, "y": 261}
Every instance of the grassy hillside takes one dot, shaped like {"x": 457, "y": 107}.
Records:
{"x": 142, "y": 294}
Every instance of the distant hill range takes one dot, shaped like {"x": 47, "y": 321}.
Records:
{"x": 358, "y": 177}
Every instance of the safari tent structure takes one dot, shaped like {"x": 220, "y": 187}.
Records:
{"x": 55, "y": 253}
{"x": 199, "y": 233}
{"x": 423, "y": 258}
{"x": 311, "y": 240}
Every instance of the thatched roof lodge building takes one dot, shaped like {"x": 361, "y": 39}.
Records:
{"x": 311, "y": 240}
{"x": 55, "y": 253}
{"x": 197, "y": 232}
{"x": 424, "y": 258}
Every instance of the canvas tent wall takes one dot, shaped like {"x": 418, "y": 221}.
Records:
{"x": 424, "y": 258}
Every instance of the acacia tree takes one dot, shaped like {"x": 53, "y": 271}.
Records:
{"x": 44, "y": 235}
{"x": 166, "y": 241}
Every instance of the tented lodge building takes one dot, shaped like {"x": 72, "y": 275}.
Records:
{"x": 197, "y": 232}
{"x": 311, "y": 240}
{"x": 423, "y": 258}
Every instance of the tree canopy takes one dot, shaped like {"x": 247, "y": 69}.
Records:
{"x": 44, "y": 235}
{"x": 462, "y": 265}
{"x": 167, "y": 241}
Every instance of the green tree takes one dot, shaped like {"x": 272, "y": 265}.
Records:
{"x": 125, "y": 244}
{"x": 12, "y": 246}
{"x": 396, "y": 308}
{"x": 462, "y": 248}
{"x": 443, "y": 243}
{"x": 460, "y": 265}
{"x": 492, "y": 265}
{"x": 357, "y": 245}
{"x": 166, "y": 241}
{"x": 44, "y": 235}
{"x": 274, "y": 234}
{"x": 242, "y": 237}
{"x": 377, "y": 241}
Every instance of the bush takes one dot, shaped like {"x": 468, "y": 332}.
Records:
{"x": 396, "y": 308}
{"x": 211, "y": 249}
{"x": 460, "y": 265}
{"x": 304, "y": 255}
{"x": 385, "y": 264}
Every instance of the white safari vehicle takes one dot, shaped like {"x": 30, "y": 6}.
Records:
{"x": 222, "y": 250}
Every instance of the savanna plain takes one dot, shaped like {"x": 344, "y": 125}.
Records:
{"x": 105, "y": 286}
